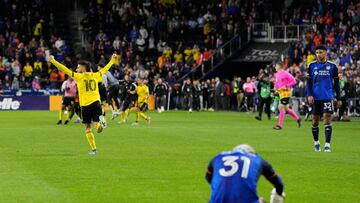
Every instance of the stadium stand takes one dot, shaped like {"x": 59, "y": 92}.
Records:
{"x": 170, "y": 39}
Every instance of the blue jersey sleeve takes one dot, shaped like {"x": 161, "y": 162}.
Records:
{"x": 272, "y": 177}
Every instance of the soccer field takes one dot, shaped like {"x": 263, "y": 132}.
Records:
{"x": 166, "y": 160}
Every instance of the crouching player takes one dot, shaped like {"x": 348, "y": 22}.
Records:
{"x": 233, "y": 176}
{"x": 89, "y": 98}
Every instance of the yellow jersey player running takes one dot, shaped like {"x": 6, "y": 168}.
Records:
{"x": 89, "y": 97}
{"x": 142, "y": 90}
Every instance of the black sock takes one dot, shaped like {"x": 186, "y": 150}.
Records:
{"x": 328, "y": 132}
{"x": 315, "y": 132}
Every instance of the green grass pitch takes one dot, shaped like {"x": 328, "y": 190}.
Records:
{"x": 166, "y": 160}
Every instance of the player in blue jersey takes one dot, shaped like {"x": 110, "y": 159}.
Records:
{"x": 233, "y": 176}
{"x": 322, "y": 81}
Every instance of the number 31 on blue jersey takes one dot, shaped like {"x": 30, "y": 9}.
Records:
{"x": 231, "y": 161}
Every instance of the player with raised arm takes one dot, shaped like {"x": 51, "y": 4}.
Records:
{"x": 322, "y": 80}
{"x": 233, "y": 176}
{"x": 89, "y": 98}
{"x": 284, "y": 82}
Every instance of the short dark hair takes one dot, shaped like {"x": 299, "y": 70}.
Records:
{"x": 87, "y": 65}
{"x": 320, "y": 47}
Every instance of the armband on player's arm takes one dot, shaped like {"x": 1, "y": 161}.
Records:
{"x": 108, "y": 66}
{"x": 61, "y": 66}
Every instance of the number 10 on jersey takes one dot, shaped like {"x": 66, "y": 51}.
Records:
{"x": 90, "y": 85}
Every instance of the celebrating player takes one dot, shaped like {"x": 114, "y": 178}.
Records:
{"x": 322, "y": 80}
{"x": 142, "y": 90}
{"x": 112, "y": 87}
{"x": 233, "y": 176}
{"x": 87, "y": 83}
{"x": 284, "y": 81}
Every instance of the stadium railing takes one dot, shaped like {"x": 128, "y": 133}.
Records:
{"x": 264, "y": 32}
{"x": 219, "y": 55}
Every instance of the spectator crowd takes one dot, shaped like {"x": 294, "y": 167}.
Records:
{"x": 168, "y": 39}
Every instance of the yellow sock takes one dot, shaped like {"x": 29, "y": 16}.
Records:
{"x": 61, "y": 114}
{"x": 103, "y": 111}
{"x": 98, "y": 127}
{"x": 91, "y": 139}
{"x": 122, "y": 114}
{"x": 142, "y": 115}
{"x": 137, "y": 116}
{"x": 114, "y": 105}
{"x": 68, "y": 116}
{"x": 126, "y": 114}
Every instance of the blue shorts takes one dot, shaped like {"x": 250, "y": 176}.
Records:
{"x": 322, "y": 106}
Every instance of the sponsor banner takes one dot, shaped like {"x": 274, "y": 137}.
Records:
{"x": 262, "y": 52}
{"x": 52, "y": 103}
{"x": 24, "y": 103}
{"x": 262, "y": 55}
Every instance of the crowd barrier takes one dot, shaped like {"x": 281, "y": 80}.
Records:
{"x": 53, "y": 103}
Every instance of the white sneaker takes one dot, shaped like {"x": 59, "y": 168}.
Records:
{"x": 135, "y": 124}
{"x": 77, "y": 120}
{"x": 102, "y": 121}
{"x": 93, "y": 152}
{"x": 327, "y": 149}
{"x": 115, "y": 114}
{"x": 190, "y": 110}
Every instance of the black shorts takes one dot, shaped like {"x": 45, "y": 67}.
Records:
{"x": 114, "y": 91}
{"x": 129, "y": 101}
{"x": 322, "y": 106}
{"x": 91, "y": 112}
{"x": 285, "y": 101}
{"x": 143, "y": 106}
{"x": 68, "y": 101}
